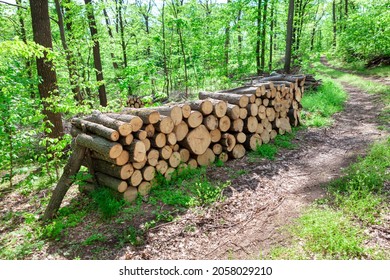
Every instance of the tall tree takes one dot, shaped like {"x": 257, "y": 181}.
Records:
{"x": 48, "y": 83}
{"x": 96, "y": 53}
{"x": 334, "y": 22}
{"x": 263, "y": 33}
{"x": 258, "y": 38}
{"x": 271, "y": 35}
{"x": 289, "y": 36}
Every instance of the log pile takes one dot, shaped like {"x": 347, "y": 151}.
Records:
{"x": 128, "y": 149}
{"x": 134, "y": 102}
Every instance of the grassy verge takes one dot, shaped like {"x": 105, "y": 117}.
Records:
{"x": 358, "y": 67}
{"x": 334, "y": 228}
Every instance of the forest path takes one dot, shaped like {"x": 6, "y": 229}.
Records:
{"x": 372, "y": 78}
{"x": 265, "y": 196}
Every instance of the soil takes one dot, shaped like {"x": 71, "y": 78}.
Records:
{"x": 264, "y": 197}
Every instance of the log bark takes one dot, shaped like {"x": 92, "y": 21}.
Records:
{"x": 121, "y": 172}
{"x": 137, "y": 151}
{"x": 123, "y": 128}
{"x": 111, "y": 182}
{"x": 237, "y": 99}
{"x": 100, "y": 145}
{"x": 174, "y": 112}
{"x": 121, "y": 160}
{"x": 148, "y": 116}
{"x": 68, "y": 176}
{"x": 204, "y": 106}
{"x": 98, "y": 129}
{"x": 135, "y": 121}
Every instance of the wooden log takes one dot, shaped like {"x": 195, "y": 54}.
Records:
{"x": 184, "y": 154}
{"x": 140, "y": 134}
{"x": 98, "y": 129}
{"x": 252, "y": 109}
{"x": 240, "y": 100}
{"x": 181, "y": 130}
{"x": 123, "y": 128}
{"x": 240, "y": 137}
{"x": 265, "y": 137}
{"x": 130, "y": 194}
{"x": 121, "y": 172}
{"x": 260, "y": 128}
{"x": 243, "y": 113}
{"x": 148, "y": 116}
{"x": 224, "y": 124}
{"x": 137, "y": 151}
{"x": 159, "y": 140}
{"x": 144, "y": 188}
{"x": 165, "y": 125}
{"x": 265, "y": 102}
{"x": 111, "y": 182}
{"x": 126, "y": 140}
{"x": 192, "y": 163}
{"x": 233, "y": 111}
{"x": 238, "y": 151}
{"x": 206, "y": 158}
{"x": 270, "y": 113}
{"x": 228, "y": 141}
{"x": 262, "y": 112}
{"x": 153, "y": 157}
{"x": 122, "y": 159}
{"x": 162, "y": 167}
{"x": 186, "y": 110}
{"x": 273, "y": 134}
{"x": 174, "y": 160}
{"x": 224, "y": 157}
{"x": 147, "y": 144}
{"x": 135, "y": 121}
{"x": 253, "y": 141}
{"x": 150, "y": 130}
{"x": 136, "y": 178}
{"x": 174, "y": 112}
{"x": 211, "y": 122}
{"x": 102, "y": 146}
{"x": 148, "y": 173}
{"x": 140, "y": 165}
{"x": 237, "y": 125}
{"x": 267, "y": 125}
{"x": 165, "y": 152}
{"x": 219, "y": 107}
{"x": 175, "y": 147}
{"x": 197, "y": 140}
{"x": 171, "y": 139}
{"x": 195, "y": 119}
{"x": 250, "y": 124}
{"x": 204, "y": 106}
{"x": 217, "y": 149}
{"x": 215, "y": 135}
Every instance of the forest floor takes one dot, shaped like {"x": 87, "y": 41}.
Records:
{"x": 263, "y": 198}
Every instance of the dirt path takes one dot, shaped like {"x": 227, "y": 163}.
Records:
{"x": 269, "y": 195}
{"x": 372, "y": 78}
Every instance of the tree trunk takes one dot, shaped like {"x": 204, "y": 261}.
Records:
{"x": 289, "y": 35}
{"x": 69, "y": 55}
{"x": 122, "y": 33}
{"x": 71, "y": 168}
{"x": 334, "y": 22}
{"x": 48, "y": 85}
{"x": 107, "y": 19}
{"x": 271, "y": 36}
{"x": 262, "y": 57}
{"x": 258, "y": 37}
{"x": 96, "y": 53}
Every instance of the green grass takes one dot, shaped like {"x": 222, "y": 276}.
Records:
{"x": 188, "y": 188}
{"x": 334, "y": 227}
{"x": 107, "y": 204}
{"x": 358, "y": 67}
{"x": 319, "y": 106}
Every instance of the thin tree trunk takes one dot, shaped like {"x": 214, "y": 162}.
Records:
{"x": 48, "y": 85}
{"x": 69, "y": 56}
{"x": 96, "y": 53}
{"x": 262, "y": 58}
{"x": 290, "y": 20}
{"x": 107, "y": 19}
{"x": 271, "y": 36}
{"x": 258, "y": 37}
{"x": 239, "y": 38}
{"x": 227, "y": 43}
{"x": 334, "y": 22}
{"x": 166, "y": 73}
{"x": 122, "y": 33}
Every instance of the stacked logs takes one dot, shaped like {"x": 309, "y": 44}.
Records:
{"x": 135, "y": 102}
{"x": 128, "y": 149}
